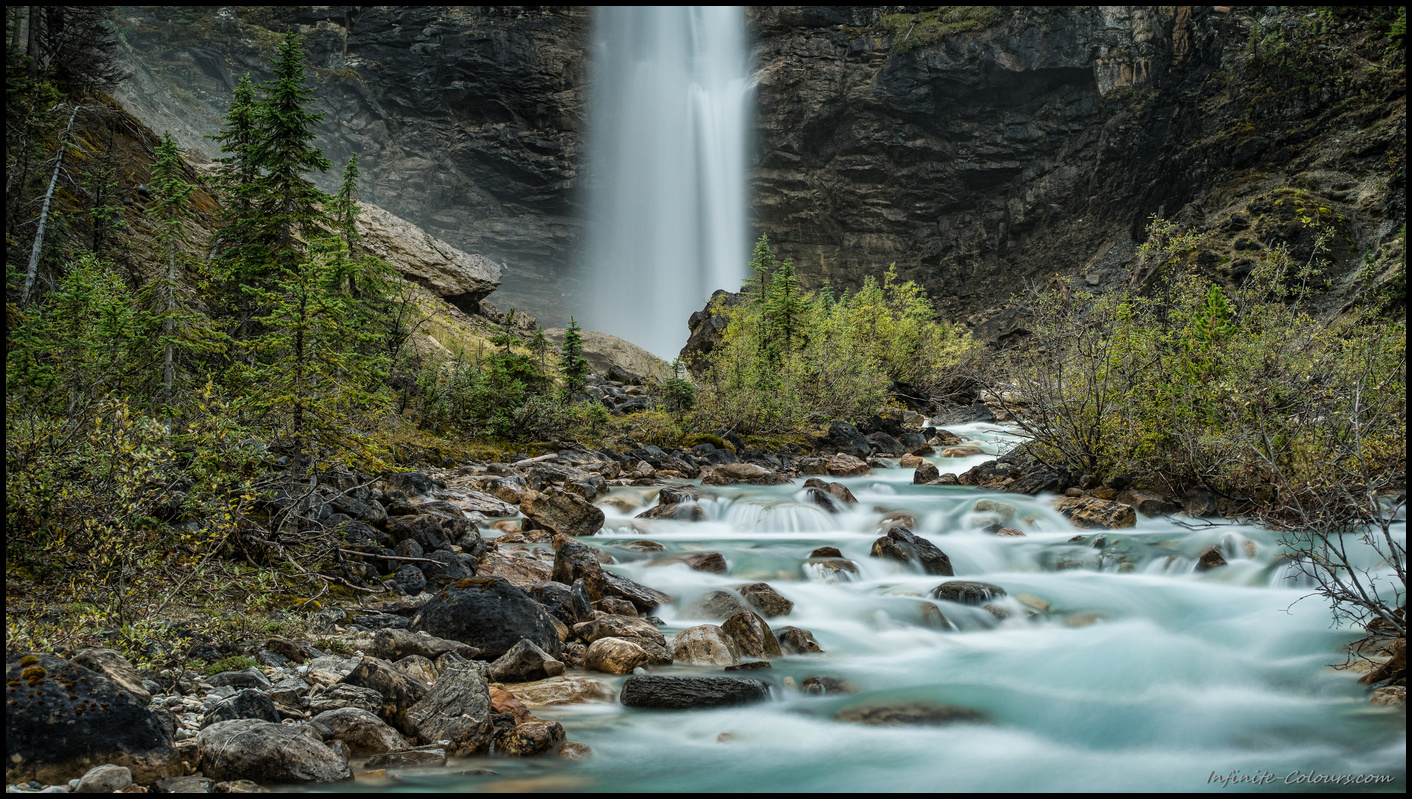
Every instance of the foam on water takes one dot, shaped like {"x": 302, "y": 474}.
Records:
{"x": 1141, "y": 674}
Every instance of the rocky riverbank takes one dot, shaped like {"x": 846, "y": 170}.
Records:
{"x": 492, "y": 614}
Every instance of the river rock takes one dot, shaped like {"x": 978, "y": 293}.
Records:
{"x": 798, "y": 641}
{"x": 1210, "y": 558}
{"x": 559, "y": 511}
{"x": 614, "y": 656}
{"x": 838, "y": 491}
{"x": 1091, "y": 512}
{"x": 925, "y": 473}
{"x": 525, "y": 662}
{"x": 530, "y": 738}
{"x": 685, "y": 693}
{"x": 340, "y": 695}
{"x": 488, "y": 613}
{"x": 363, "y": 732}
{"x": 244, "y": 678}
{"x": 687, "y": 511}
{"x": 909, "y": 461}
{"x": 409, "y": 580}
{"x": 561, "y": 602}
{"x": 842, "y": 465}
{"x": 903, "y": 545}
{"x": 752, "y": 635}
{"x": 104, "y": 779}
{"x": 910, "y": 713}
{"x": 393, "y": 645}
{"x": 251, "y": 749}
{"x": 456, "y": 709}
{"x": 766, "y": 600}
{"x": 639, "y": 631}
{"x": 830, "y": 570}
{"x": 399, "y": 691}
{"x": 645, "y": 599}
{"x": 827, "y": 685}
{"x": 1390, "y": 696}
{"x": 732, "y": 473}
{"x": 418, "y": 669}
{"x": 246, "y": 703}
{"x": 53, "y": 738}
{"x": 716, "y": 605}
{"x": 705, "y": 645}
{"x": 1148, "y": 503}
{"x": 117, "y": 668}
{"x": 967, "y": 592}
{"x": 563, "y": 690}
{"x": 409, "y": 758}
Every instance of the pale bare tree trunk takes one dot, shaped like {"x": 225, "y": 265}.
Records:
{"x": 44, "y": 211}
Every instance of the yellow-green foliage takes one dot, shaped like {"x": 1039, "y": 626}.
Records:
{"x": 911, "y": 31}
{"x": 790, "y": 360}
{"x": 1240, "y": 390}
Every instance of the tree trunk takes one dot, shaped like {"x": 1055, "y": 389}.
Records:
{"x": 168, "y": 328}
{"x": 44, "y": 211}
{"x": 32, "y": 44}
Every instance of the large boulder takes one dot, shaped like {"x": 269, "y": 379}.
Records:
{"x": 362, "y": 732}
{"x": 399, "y": 692}
{"x": 685, "y": 693}
{"x": 393, "y": 645}
{"x": 766, "y": 600}
{"x": 903, "y": 545}
{"x": 117, "y": 668}
{"x": 530, "y": 738}
{"x": 488, "y": 613}
{"x": 62, "y": 719}
{"x": 456, "y": 709}
{"x": 614, "y": 656}
{"x": 252, "y": 749}
{"x": 460, "y": 278}
{"x": 559, "y": 511}
{"x": 844, "y": 465}
{"x": 562, "y": 690}
{"x": 752, "y": 635}
{"x": 525, "y": 662}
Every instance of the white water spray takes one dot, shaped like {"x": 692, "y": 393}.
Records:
{"x": 667, "y": 158}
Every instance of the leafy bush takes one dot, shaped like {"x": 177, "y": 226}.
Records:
{"x": 1297, "y": 421}
{"x": 790, "y": 359}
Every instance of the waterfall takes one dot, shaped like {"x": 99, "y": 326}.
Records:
{"x": 666, "y": 169}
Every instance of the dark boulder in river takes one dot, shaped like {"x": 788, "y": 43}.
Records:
{"x": 685, "y": 693}
{"x": 488, "y": 613}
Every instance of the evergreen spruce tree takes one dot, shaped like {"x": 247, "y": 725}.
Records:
{"x": 786, "y": 306}
{"x": 171, "y": 213}
{"x": 574, "y": 365}
{"x": 343, "y": 212}
{"x": 238, "y": 259}
{"x": 290, "y": 208}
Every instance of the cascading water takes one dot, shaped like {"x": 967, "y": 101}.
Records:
{"x": 668, "y": 110}
{"x": 1110, "y": 664}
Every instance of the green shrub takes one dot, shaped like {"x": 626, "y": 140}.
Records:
{"x": 790, "y": 359}
{"x": 913, "y": 31}
{"x": 1298, "y": 421}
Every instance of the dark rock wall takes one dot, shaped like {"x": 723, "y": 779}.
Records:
{"x": 466, "y": 120}
{"x": 981, "y": 162}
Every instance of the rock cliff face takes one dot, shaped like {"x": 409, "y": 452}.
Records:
{"x": 986, "y": 160}
{"x": 980, "y": 150}
{"x": 465, "y": 120}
